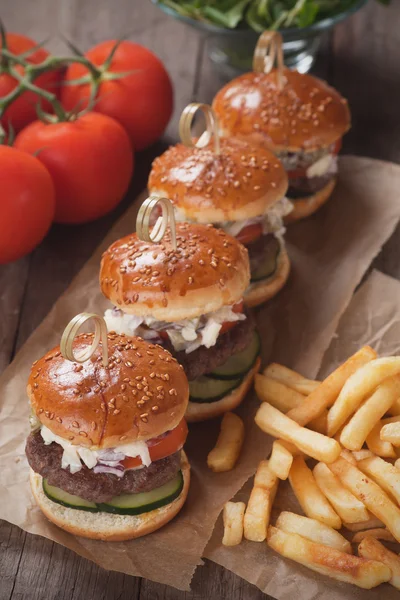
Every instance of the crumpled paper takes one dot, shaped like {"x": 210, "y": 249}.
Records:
{"x": 330, "y": 253}
{"x": 373, "y": 317}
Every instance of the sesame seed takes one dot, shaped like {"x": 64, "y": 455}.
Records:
{"x": 94, "y": 426}
{"x": 154, "y": 408}
{"x": 58, "y": 419}
{"x": 83, "y": 433}
{"x": 144, "y": 417}
{"x": 122, "y": 438}
{"x": 116, "y": 411}
{"x": 128, "y": 364}
{"x": 173, "y": 392}
{"x": 75, "y": 424}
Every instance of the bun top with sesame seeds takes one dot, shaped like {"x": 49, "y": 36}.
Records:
{"x": 209, "y": 269}
{"x": 305, "y": 115}
{"x": 141, "y": 394}
{"x": 241, "y": 182}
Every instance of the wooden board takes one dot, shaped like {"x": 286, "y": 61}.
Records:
{"x": 361, "y": 58}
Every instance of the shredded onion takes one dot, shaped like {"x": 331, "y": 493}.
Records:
{"x": 117, "y": 470}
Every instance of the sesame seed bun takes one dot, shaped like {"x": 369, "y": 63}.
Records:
{"x": 264, "y": 290}
{"x": 107, "y": 526}
{"x": 202, "y": 411}
{"x": 305, "y": 207}
{"x": 307, "y": 114}
{"x": 240, "y": 183}
{"x": 208, "y": 270}
{"x": 140, "y": 395}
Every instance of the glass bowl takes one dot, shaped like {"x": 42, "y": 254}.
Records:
{"x": 231, "y": 50}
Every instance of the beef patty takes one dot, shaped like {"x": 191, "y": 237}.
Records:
{"x": 204, "y": 360}
{"x": 302, "y": 187}
{"x": 96, "y": 487}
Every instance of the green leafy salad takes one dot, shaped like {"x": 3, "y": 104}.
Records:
{"x": 260, "y": 14}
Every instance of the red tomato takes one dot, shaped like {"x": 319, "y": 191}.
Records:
{"x": 237, "y": 308}
{"x": 338, "y": 146}
{"x": 90, "y": 160}
{"x": 249, "y": 234}
{"x": 23, "y": 110}
{"x": 27, "y": 203}
{"x": 142, "y": 101}
{"x": 162, "y": 446}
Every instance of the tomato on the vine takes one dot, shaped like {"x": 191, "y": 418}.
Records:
{"x": 23, "y": 109}
{"x": 27, "y": 203}
{"x": 142, "y": 100}
{"x": 89, "y": 159}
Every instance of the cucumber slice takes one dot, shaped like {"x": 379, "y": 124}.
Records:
{"x": 239, "y": 364}
{"x": 206, "y": 389}
{"x": 69, "y": 500}
{"x": 270, "y": 263}
{"x": 135, "y": 504}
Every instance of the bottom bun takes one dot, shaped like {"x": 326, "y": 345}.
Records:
{"x": 264, "y": 290}
{"x": 201, "y": 411}
{"x": 106, "y": 526}
{"x": 305, "y": 207}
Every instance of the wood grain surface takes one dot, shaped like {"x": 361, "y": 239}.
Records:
{"x": 361, "y": 58}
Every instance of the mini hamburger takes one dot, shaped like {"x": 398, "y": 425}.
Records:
{"x": 105, "y": 451}
{"x": 302, "y": 121}
{"x": 190, "y": 300}
{"x": 241, "y": 190}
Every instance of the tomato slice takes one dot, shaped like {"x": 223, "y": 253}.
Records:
{"x": 249, "y": 233}
{"x": 237, "y": 308}
{"x": 162, "y": 446}
{"x": 338, "y": 146}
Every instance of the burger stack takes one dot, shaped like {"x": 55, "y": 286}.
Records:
{"x": 106, "y": 447}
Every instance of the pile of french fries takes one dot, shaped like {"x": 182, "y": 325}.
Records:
{"x": 350, "y": 425}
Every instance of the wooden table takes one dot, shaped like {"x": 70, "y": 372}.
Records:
{"x": 361, "y": 58}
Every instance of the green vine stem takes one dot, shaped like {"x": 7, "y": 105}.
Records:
{"x": 95, "y": 76}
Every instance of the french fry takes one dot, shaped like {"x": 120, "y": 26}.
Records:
{"x": 366, "y": 490}
{"x": 277, "y": 393}
{"x": 371, "y": 523}
{"x": 391, "y": 433}
{"x": 290, "y": 378}
{"x": 313, "y": 530}
{"x": 379, "y": 534}
{"x": 395, "y": 408}
{"x": 394, "y": 419}
{"x": 316, "y": 445}
{"x": 224, "y": 455}
{"x": 232, "y": 515}
{"x": 361, "y": 454}
{"x": 280, "y": 460}
{"x": 383, "y": 473}
{"x": 258, "y": 511}
{"x": 371, "y": 549}
{"x": 292, "y": 448}
{"x": 311, "y": 499}
{"x": 360, "y": 571}
{"x": 264, "y": 477}
{"x": 348, "y": 456}
{"x": 326, "y": 393}
{"x": 359, "y": 386}
{"x": 347, "y": 506}
{"x": 320, "y": 423}
{"x": 368, "y": 415}
{"x": 378, "y": 446}
{"x": 397, "y": 464}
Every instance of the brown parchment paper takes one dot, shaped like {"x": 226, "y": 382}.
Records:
{"x": 330, "y": 253}
{"x": 373, "y": 317}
